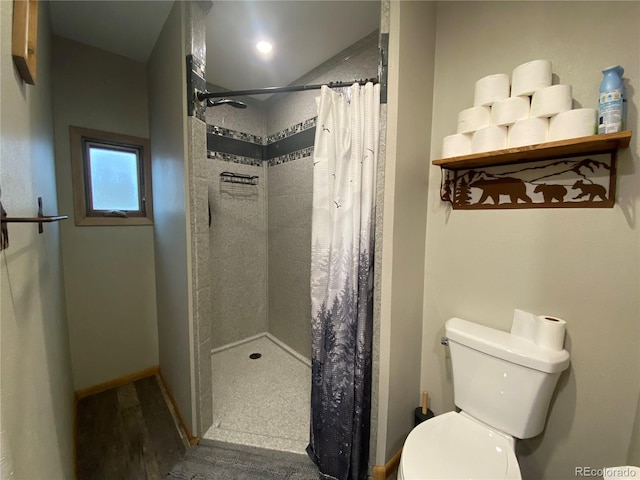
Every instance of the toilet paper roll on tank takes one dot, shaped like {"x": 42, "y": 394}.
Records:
{"x": 543, "y": 330}
{"x": 550, "y": 332}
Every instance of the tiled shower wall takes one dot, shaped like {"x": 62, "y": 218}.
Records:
{"x": 237, "y": 235}
{"x": 260, "y": 235}
{"x": 238, "y": 253}
{"x": 289, "y": 238}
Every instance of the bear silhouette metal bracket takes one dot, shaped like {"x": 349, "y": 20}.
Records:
{"x": 580, "y": 173}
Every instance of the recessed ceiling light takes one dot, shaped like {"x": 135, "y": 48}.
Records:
{"x": 264, "y": 46}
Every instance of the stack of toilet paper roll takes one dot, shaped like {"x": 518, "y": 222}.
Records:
{"x": 545, "y": 331}
{"x": 526, "y": 111}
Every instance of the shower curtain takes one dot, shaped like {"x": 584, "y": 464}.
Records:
{"x": 344, "y": 180}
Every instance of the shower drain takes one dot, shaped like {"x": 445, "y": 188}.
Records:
{"x": 255, "y": 356}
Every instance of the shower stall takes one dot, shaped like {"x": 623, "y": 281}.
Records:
{"x": 260, "y": 174}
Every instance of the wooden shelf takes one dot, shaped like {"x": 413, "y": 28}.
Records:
{"x": 594, "y": 144}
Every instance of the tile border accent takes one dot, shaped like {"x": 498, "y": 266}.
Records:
{"x": 231, "y": 146}
{"x": 228, "y": 157}
{"x": 264, "y": 142}
{"x": 236, "y": 135}
{"x": 305, "y": 152}
{"x": 294, "y": 129}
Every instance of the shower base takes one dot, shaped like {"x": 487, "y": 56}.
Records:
{"x": 261, "y": 402}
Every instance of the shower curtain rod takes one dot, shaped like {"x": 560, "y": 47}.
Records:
{"x": 291, "y": 88}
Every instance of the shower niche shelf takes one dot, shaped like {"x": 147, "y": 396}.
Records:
{"x": 594, "y": 144}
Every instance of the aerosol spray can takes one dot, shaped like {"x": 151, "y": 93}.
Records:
{"x": 612, "y": 107}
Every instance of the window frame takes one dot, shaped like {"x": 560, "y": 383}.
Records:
{"x": 81, "y": 139}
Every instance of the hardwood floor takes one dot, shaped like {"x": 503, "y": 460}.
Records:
{"x": 127, "y": 433}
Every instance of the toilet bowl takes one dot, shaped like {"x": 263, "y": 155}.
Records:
{"x": 502, "y": 385}
{"x": 456, "y": 446}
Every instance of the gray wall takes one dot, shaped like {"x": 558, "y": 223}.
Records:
{"x": 579, "y": 264}
{"x": 109, "y": 271}
{"x": 411, "y": 63}
{"x": 167, "y": 113}
{"x": 36, "y": 390}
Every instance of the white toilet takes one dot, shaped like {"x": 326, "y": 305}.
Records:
{"x": 503, "y": 385}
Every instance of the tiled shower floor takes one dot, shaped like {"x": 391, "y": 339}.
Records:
{"x": 262, "y": 402}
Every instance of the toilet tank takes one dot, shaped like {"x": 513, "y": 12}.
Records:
{"x": 501, "y": 379}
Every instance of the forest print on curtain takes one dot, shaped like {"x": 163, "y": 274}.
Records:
{"x": 344, "y": 181}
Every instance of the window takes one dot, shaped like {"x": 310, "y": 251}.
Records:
{"x": 111, "y": 178}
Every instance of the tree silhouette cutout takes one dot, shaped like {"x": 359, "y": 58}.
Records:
{"x": 462, "y": 192}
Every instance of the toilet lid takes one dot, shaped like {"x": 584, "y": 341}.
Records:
{"x": 451, "y": 446}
